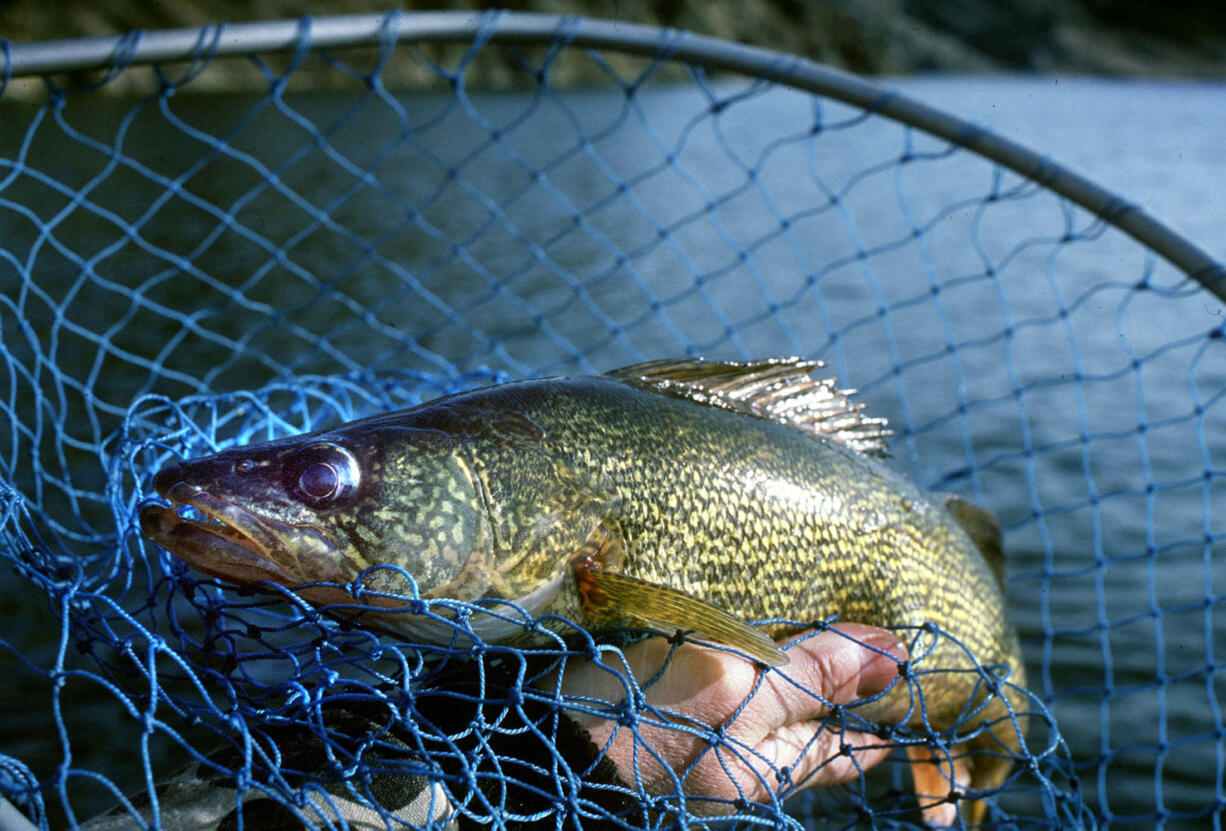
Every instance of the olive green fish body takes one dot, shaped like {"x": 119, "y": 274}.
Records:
{"x": 750, "y": 515}
{"x": 677, "y": 495}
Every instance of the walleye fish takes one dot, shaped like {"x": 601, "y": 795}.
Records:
{"x": 674, "y": 495}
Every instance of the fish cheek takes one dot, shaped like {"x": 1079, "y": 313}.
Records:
{"x": 438, "y": 536}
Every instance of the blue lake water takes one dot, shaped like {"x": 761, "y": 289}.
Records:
{"x": 1025, "y": 355}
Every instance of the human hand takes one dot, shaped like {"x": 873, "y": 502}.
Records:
{"x": 770, "y": 721}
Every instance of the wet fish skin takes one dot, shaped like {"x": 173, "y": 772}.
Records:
{"x": 531, "y": 490}
{"x": 749, "y": 515}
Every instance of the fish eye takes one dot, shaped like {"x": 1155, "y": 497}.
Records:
{"x": 319, "y": 481}
{"x": 322, "y": 475}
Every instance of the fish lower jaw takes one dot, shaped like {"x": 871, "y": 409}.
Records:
{"x": 443, "y": 628}
{"x": 213, "y": 547}
{"x": 489, "y": 620}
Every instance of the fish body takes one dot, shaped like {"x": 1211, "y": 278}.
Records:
{"x": 674, "y": 495}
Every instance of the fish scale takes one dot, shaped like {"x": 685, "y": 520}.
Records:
{"x": 679, "y": 495}
{"x": 799, "y": 559}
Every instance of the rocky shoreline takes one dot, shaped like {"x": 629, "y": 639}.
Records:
{"x": 1098, "y": 37}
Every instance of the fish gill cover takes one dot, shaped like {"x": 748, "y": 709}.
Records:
{"x": 185, "y": 274}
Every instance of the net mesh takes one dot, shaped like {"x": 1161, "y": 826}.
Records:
{"x": 182, "y": 273}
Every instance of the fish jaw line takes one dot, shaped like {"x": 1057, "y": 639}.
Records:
{"x": 488, "y": 619}
{"x": 231, "y": 543}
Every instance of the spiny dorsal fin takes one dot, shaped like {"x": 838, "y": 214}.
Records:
{"x": 983, "y": 529}
{"x": 778, "y": 389}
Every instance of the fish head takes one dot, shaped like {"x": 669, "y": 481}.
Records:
{"x": 328, "y": 508}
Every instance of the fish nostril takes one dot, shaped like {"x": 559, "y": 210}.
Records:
{"x": 181, "y": 491}
{"x": 167, "y": 477}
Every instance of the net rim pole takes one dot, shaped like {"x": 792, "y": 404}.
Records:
{"x": 339, "y": 31}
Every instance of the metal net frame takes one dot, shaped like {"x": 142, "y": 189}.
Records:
{"x": 180, "y": 276}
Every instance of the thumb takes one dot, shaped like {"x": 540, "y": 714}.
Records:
{"x": 837, "y": 666}
{"x": 779, "y": 740}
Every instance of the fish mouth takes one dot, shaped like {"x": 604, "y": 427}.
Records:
{"x": 226, "y": 541}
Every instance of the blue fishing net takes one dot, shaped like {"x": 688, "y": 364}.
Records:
{"x": 181, "y": 273}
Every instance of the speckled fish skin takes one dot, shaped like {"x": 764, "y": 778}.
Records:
{"x": 498, "y": 492}
{"x": 750, "y": 515}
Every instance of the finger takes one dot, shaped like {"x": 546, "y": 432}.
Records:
{"x": 793, "y": 757}
{"x": 778, "y": 743}
{"x": 812, "y": 754}
{"x": 838, "y": 666}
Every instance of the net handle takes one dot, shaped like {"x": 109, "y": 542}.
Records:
{"x": 331, "y": 32}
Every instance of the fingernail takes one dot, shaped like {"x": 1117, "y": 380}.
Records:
{"x": 878, "y": 670}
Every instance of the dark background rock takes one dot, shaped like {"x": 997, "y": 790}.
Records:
{"x": 1179, "y": 38}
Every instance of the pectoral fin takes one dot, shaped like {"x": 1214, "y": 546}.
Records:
{"x": 613, "y": 599}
